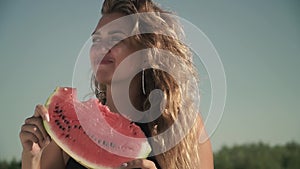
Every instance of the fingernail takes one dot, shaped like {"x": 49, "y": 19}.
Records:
{"x": 47, "y": 117}
{"x": 124, "y": 165}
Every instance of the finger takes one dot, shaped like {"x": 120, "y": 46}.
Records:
{"x": 27, "y": 136}
{"x": 41, "y": 111}
{"x": 140, "y": 163}
{"x": 30, "y": 128}
{"x": 30, "y": 134}
{"x": 37, "y": 122}
{"x": 27, "y": 139}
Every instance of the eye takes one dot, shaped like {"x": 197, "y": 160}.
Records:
{"x": 96, "y": 39}
{"x": 115, "y": 39}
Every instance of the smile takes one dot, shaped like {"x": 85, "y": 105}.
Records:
{"x": 106, "y": 60}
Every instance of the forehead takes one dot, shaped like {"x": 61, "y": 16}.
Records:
{"x": 114, "y": 22}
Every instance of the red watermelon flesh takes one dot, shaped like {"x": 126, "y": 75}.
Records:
{"x": 91, "y": 134}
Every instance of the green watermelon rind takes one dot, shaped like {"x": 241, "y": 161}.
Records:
{"x": 144, "y": 152}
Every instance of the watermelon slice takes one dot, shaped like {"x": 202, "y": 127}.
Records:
{"x": 90, "y": 133}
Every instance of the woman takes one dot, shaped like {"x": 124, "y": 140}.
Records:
{"x": 110, "y": 47}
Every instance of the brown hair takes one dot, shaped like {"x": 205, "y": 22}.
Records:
{"x": 179, "y": 106}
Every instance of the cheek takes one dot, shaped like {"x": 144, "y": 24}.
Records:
{"x": 130, "y": 64}
{"x": 120, "y": 53}
{"x": 92, "y": 54}
{"x": 94, "y": 57}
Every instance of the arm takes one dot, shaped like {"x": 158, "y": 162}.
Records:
{"x": 205, "y": 148}
{"x": 206, "y": 155}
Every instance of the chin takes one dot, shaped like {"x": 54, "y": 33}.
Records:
{"x": 103, "y": 77}
{"x": 103, "y": 80}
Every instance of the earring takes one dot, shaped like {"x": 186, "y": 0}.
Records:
{"x": 143, "y": 81}
{"x": 101, "y": 95}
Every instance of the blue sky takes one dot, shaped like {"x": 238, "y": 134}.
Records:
{"x": 258, "y": 43}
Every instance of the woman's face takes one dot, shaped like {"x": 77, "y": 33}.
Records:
{"x": 106, "y": 54}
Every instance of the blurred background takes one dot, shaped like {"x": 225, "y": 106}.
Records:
{"x": 258, "y": 43}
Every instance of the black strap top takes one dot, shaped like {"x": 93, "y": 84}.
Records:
{"x": 72, "y": 164}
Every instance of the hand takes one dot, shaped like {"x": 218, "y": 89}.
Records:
{"x": 139, "y": 163}
{"x": 33, "y": 135}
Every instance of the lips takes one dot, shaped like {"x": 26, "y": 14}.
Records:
{"x": 106, "y": 60}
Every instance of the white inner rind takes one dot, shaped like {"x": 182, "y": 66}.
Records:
{"x": 145, "y": 150}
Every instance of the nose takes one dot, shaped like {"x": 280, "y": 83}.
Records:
{"x": 102, "y": 47}
{"x": 99, "y": 50}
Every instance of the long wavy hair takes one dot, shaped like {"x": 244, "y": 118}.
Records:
{"x": 179, "y": 118}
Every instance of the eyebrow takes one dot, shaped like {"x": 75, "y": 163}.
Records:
{"x": 110, "y": 33}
